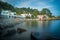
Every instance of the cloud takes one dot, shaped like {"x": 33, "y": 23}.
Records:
{"x": 41, "y": 3}
{"x": 23, "y": 4}
{"x": 34, "y": 4}
{"x": 48, "y": 6}
{"x": 27, "y": 3}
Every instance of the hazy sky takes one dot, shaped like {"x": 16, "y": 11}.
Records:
{"x": 53, "y": 5}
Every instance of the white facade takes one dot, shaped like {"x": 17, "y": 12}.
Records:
{"x": 24, "y": 15}
{"x": 8, "y": 14}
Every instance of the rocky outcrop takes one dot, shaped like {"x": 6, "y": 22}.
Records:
{"x": 20, "y": 30}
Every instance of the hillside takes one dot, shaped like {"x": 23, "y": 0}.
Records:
{"x": 5, "y": 6}
{"x": 34, "y": 12}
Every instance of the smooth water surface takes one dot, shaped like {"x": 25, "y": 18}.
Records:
{"x": 44, "y": 28}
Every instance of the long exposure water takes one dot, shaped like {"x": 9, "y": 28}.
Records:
{"x": 42, "y": 28}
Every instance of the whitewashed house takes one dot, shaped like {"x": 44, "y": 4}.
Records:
{"x": 24, "y": 15}
{"x": 8, "y": 14}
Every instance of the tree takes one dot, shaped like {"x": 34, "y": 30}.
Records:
{"x": 58, "y": 16}
{"x": 6, "y": 6}
{"x": 28, "y": 17}
{"x": 35, "y": 13}
{"x": 32, "y": 16}
{"x": 46, "y": 11}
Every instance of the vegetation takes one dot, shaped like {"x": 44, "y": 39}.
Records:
{"x": 34, "y": 12}
{"x": 28, "y": 17}
{"x": 5, "y": 6}
{"x": 58, "y": 17}
{"x": 46, "y": 11}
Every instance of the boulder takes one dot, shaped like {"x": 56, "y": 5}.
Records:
{"x": 20, "y": 30}
{"x": 10, "y": 32}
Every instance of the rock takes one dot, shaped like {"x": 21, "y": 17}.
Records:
{"x": 1, "y": 27}
{"x": 33, "y": 37}
{"x": 0, "y": 33}
{"x": 10, "y": 32}
{"x": 20, "y": 30}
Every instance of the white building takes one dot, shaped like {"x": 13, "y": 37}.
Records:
{"x": 24, "y": 15}
{"x": 8, "y": 14}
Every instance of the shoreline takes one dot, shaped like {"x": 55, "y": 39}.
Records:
{"x": 43, "y": 19}
{"x": 18, "y": 19}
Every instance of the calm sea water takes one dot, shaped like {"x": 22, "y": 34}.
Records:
{"x": 42, "y": 28}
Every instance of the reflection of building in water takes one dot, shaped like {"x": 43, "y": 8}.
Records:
{"x": 42, "y": 17}
{"x": 44, "y": 24}
{"x": 8, "y": 14}
{"x": 32, "y": 24}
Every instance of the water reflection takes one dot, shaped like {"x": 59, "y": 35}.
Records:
{"x": 43, "y": 28}
{"x": 32, "y": 23}
{"x": 37, "y": 24}
{"x": 47, "y": 29}
{"x": 45, "y": 25}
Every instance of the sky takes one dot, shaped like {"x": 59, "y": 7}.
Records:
{"x": 52, "y": 5}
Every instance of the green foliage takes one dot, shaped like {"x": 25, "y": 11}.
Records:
{"x": 28, "y": 10}
{"x": 34, "y": 12}
{"x": 18, "y": 11}
{"x": 28, "y": 17}
{"x": 32, "y": 16}
{"x": 58, "y": 16}
{"x": 46, "y": 11}
{"x": 6, "y": 6}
